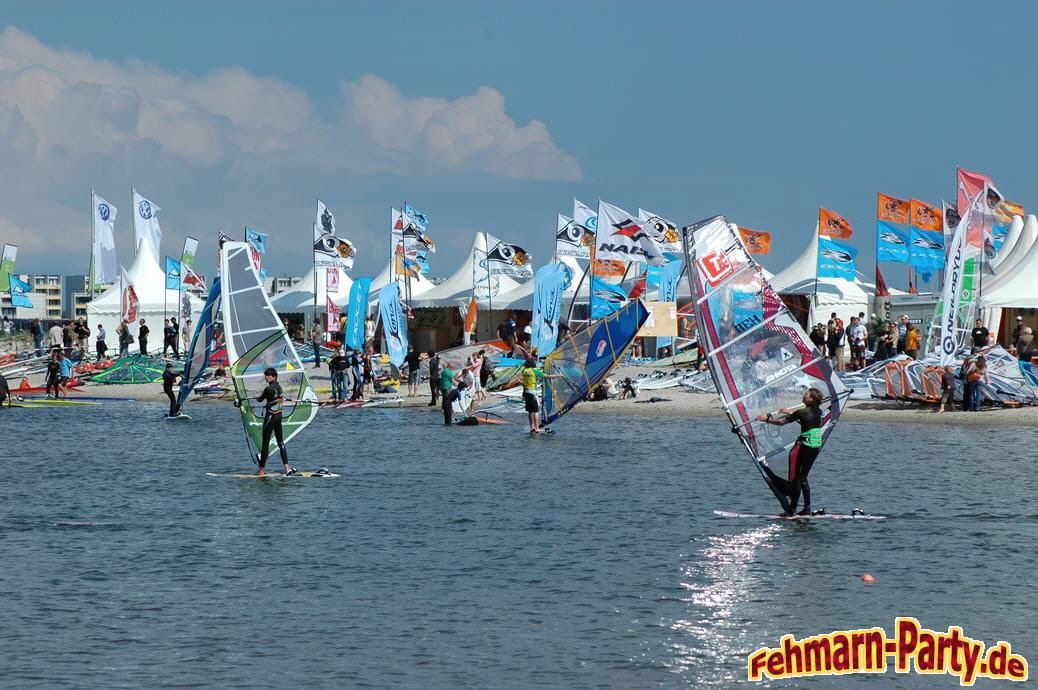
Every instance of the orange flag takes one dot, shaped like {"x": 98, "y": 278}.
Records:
{"x": 756, "y": 241}
{"x": 608, "y": 268}
{"x": 470, "y": 316}
{"x": 892, "y": 209}
{"x": 833, "y": 225}
{"x": 1006, "y": 209}
{"x": 925, "y": 217}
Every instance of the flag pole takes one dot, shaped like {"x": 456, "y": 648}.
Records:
{"x": 92, "y": 240}
{"x": 490, "y": 286}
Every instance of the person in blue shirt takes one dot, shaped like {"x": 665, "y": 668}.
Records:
{"x": 64, "y": 374}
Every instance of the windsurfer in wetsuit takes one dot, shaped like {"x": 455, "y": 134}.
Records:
{"x": 803, "y": 453}
{"x": 169, "y": 379}
{"x": 273, "y": 397}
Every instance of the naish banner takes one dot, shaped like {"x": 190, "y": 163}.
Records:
{"x": 621, "y": 237}
{"x": 394, "y": 327}
{"x": 951, "y": 294}
{"x": 507, "y": 259}
{"x": 106, "y": 266}
{"x": 357, "y": 311}
{"x": 572, "y": 238}
{"x": 550, "y": 282}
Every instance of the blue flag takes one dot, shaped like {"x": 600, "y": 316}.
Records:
{"x": 357, "y": 312}
{"x": 669, "y": 275}
{"x": 172, "y": 274}
{"x": 835, "y": 259}
{"x": 605, "y": 298}
{"x": 549, "y": 283}
{"x": 394, "y": 326}
{"x": 257, "y": 240}
{"x": 19, "y": 292}
{"x": 891, "y": 243}
{"x": 999, "y": 233}
{"x": 927, "y": 251}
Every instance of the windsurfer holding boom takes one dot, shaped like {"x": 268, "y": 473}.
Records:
{"x": 803, "y": 453}
{"x": 273, "y": 396}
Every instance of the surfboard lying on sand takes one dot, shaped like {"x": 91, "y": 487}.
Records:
{"x": 823, "y": 516}
{"x": 306, "y": 474}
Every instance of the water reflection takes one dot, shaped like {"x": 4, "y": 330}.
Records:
{"x": 711, "y": 644}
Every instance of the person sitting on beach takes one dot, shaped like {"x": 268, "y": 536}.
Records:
{"x": 627, "y": 389}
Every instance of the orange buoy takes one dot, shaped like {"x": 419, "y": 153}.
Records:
{"x": 868, "y": 579}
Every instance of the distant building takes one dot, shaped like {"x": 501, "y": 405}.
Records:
{"x": 53, "y": 297}
{"x": 278, "y": 284}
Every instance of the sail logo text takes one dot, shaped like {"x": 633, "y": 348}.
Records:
{"x": 715, "y": 266}
{"x": 913, "y": 648}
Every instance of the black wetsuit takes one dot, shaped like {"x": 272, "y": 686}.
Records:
{"x": 142, "y": 339}
{"x": 801, "y": 457}
{"x": 53, "y": 376}
{"x": 168, "y": 379}
{"x": 272, "y": 395}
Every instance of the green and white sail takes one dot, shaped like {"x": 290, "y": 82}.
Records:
{"x": 256, "y": 339}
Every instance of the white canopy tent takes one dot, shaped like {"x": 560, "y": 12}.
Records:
{"x": 457, "y": 290}
{"x": 155, "y": 303}
{"x": 1016, "y": 287}
{"x": 299, "y": 299}
{"x": 419, "y": 284}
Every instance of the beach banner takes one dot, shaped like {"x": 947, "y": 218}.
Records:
{"x": 891, "y": 243}
{"x": 572, "y": 238}
{"x": 924, "y": 216}
{"x": 357, "y": 311}
{"x": 755, "y": 241}
{"x": 968, "y": 185}
{"x": 106, "y": 267}
{"x": 331, "y": 281}
{"x": 187, "y": 257}
{"x": 892, "y": 209}
{"x": 926, "y": 253}
{"x": 146, "y": 224}
{"x": 835, "y": 259}
{"x": 607, "y": 268}
{"x": 7, "y": 264}
{"x": 394, "y": 327}
{"x": 172, "y": 273}
{"x": 669, "y": 276}
{"x": 605, "y": 298}
{"x": 330, "y": 250}
{"x": 665, "y": 232}
{"x": 334, "y": 313}
{"x": 550, "y": 282}
{"x": 470, "y": 315}
{"x": 622, "y": 238}
{"x": 951, "y": 294}
{"x": 415, "y": 231}
{"x": 831, "y": 224}
{"x": 128, "y": 297}
{"x": 585, "y": 216}
{"x": 507, "y": 259}
{"x": 19, "y": 292}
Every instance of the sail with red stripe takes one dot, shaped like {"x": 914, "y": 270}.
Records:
{"x": 760, "y": 358}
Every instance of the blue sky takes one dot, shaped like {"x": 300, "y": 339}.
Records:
{"x": 493, "y": 116}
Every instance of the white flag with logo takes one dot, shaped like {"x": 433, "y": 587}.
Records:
{"x": 146, "y": 225}
{"x": 325, "y": 219}
{"x": 106, "y": 267}
{"x": 507, "y": 259}
{"x": 621, "y": 237}
{"x": 585, "y": 216}
{"x": 572, "y": 238}
{"x": 662, "y": 230}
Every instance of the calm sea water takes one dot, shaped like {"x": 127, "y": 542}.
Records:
{"x": 481, "y": 558}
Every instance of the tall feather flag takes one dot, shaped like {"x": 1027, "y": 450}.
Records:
{"x": 146, "y": 224}
{"x": 755, "y": 241}
{"x": 333, "y": 313}
{"x": 357, "y": 312}
{"x": 129, "y": 303}
{"x": 891, "y": 209}
{"x": 172, "y": 273}
{"x": 881, "y": 285}
{"x": 832, "y": 224}
{"x": 394, "y": 326}
{"x": 7, "y": 260}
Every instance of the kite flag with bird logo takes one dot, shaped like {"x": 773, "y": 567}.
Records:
{"x": 756, "y": 241}
{"x": 892, "y": 209}
{"x": 831, "y": 224}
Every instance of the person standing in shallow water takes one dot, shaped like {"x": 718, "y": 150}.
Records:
{"x": 531, "y": 375}
{"x": 170, "y": 379}
{"x": 804, "y": 452}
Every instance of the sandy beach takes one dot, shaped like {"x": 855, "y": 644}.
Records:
{"x": 669, "y": 402}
